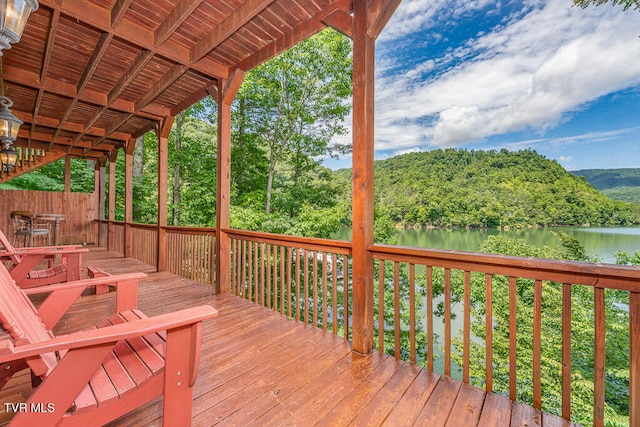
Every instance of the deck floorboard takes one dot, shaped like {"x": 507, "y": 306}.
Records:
{"x": 261, "y": 368}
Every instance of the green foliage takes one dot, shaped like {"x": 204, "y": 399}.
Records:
{"x": 50, "y": 177}
{"x": 461, "y": 188}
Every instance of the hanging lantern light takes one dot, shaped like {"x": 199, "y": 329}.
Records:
{"x": 8, "y": 158}
{"x": 9, "y": 124}
{"x": 13, "y": 19}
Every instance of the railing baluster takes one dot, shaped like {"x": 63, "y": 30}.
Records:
{"x": 447, "y": 322}
{"x": 334, "y": 294}
{"x": 276, "y": 281}
{"x": 396, "y": 308}
{"x": 283, "y": 280}
{"x": 412, "y": 312}
{"x": 298, "y": 301}
{"x": 305, "y": 260}
{"x": 289, "y": 270}
{"x": 599, "y": 357}
{"x": 429, "y": 325}
{"x": 325, "y": 296}
{"x": 381, "y": 306}
{"x": 466, "y": 339}
{"x": 537, "y": 327}
{"x": 513, "y": 325}
{"x": 488, "y": 289}
{"x": 566, "y": 351}
{"x": 315, "y": 288}
{"x": 345, "y": 293}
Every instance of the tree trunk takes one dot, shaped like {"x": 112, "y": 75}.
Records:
{"x": 272, "y": 168}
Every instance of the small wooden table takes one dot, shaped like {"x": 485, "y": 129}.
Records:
{"x": 56, "y": 219}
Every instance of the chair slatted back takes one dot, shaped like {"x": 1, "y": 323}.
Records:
{"x": 20, "y": 318}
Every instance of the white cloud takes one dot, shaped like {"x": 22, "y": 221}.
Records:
{"x": 532, "y": 72}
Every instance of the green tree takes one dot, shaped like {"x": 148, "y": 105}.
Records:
{"x": 291, "y": 107}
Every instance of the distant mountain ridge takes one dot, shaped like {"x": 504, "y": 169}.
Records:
{"x": 619, "y": 184}
{"x": 475, "y": 188}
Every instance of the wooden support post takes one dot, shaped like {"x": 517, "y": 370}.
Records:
{"x": 112, "y": 201}
{"x": 224, "y": 95}
{"x": 163, "y": 169}
{"x": 100, "y": 186}
{"x": 363, "y": 139}
{"x": 128, "y": 197}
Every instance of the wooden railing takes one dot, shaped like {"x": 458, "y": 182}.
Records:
{"x": 191, "y": 253}
{"x": 517, "y": 332}
{"x": 488, "y": 284}
{"x": 303, "y": 278}
{"x": 144, "y": 242}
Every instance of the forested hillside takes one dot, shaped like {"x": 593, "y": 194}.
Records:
{"x": 618, "y": 184}
{"x": 460, "y": 188}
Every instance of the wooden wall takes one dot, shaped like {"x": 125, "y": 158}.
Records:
{"x": 81, "y": 210}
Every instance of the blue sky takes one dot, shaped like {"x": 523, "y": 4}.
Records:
{"x": 539, "y": 74}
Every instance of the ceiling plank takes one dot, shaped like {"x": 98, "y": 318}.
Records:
{"x": 240, "y": 16}
{"x": 177, "y": 16}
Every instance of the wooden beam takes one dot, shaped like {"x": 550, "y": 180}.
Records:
{"x": 132, "y": 72}
{"x": 340, "y": 21}
{"x": 112, "y": 203}
{"x": 94, "y": 61}
{"x": 119, "y": 11}
{"x": 298, "y": 34}
{"x": 177, "y": 16}
{"x": 160, "y": 86}
{"x": 162, "y": 132}
{"x": 128, "y": 199}
{"x": 381, "y": 11}
{"x": 363, "y": 150}
{"x": 227, "y": 90}
{"x": 137, "y": 35}
{"x": 240, "y": 16}
{"x": 68, "y": 90}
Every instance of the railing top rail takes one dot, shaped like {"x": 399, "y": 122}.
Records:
{"x": 311, "y": 243}
{"x": 574, "y": 272}
{"x": 190, "y": 230}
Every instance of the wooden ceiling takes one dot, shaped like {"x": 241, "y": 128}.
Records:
{"x": 89, "y": 75}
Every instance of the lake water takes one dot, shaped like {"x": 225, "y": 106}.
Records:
{"x": 602, "y": 242}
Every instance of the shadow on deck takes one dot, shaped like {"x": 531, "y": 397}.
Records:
{"x": 261, "y": 368}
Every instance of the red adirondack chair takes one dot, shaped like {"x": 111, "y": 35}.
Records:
{"x": 22, "y": 262}
{"x": 92, "y": 377}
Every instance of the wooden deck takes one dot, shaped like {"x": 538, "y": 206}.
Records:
{"x": 261, "y": 368}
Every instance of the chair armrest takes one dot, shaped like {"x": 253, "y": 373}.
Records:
{"x": 46, "y": 251}
{"x": 114, "y": 333}
{"x": 41, "y": 248}
{"x": 84, "y": 283}
{"x": 63, "y": 295}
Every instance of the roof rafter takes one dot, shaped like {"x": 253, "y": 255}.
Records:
{"x": 240, "y": 16}
{"x": 177, "y": 16}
